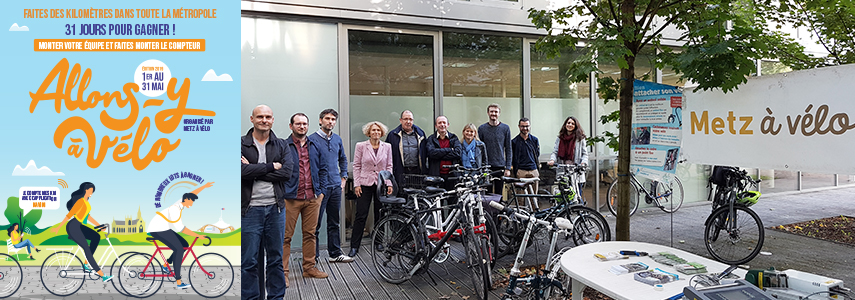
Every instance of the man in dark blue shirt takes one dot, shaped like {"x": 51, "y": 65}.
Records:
{"x": 526, "y": 150}
{"x": 332, "y": 154}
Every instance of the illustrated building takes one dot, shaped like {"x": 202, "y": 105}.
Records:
{"x": 219, "y": 227}
{"x": 128, "y": 225}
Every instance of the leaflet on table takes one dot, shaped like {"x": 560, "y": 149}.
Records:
{"x": 656, "y": 130}
{"x": 628, "y": 268}
{"x": 656, "y": 276}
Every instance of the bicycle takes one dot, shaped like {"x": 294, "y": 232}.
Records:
{"x": 11, "y": 275}
{"x": 142, "y": 274}
{"x": 667, "y": 196}
{"x": 589, "y": 225}
{"x": 537, "y": 286}
{"x": 742, "y": 228}
{"x": 402, "y": 246}
{"x": 431, "y": 197}
{"x": 61, "y": 265}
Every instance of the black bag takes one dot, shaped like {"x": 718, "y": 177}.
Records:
{"x": 721, "y": 174}
{"x": 349, "y": 194}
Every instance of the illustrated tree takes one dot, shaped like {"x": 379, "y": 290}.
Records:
{"x": 15, "y": 214}
{"x": 721, "y": 41}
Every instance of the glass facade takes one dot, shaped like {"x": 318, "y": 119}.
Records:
{"x": 478, "y": 70}
{"x": 389, "y": 73}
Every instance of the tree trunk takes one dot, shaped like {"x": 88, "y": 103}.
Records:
{"x": 627, "y": 75}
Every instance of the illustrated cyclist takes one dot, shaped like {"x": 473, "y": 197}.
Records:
{"x": 159, "y": 228}
{"x": 77, "y": 218}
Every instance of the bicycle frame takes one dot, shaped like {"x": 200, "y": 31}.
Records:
{"x": 159, "y": 250}
{"x": 648, "y": 194}
{"x": 101, "y": 261}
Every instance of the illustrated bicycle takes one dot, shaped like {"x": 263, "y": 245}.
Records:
{"x": 402, "y": 246}
{"x": 210, "y": 274}
{"x": 589, "y": 226}
{"x": 541, "y": 285}
{"x": 62, "y": 272}
{"x": 667, "y": 195}
{"x": 733, "y": 233}
{"x": 11, "y": 275}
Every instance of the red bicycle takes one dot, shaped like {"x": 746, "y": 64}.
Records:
{"x": 141, "y": 275}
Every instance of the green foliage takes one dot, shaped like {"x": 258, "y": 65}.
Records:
{"x": 14, "y": 214}
{"x": 830, "y": 22}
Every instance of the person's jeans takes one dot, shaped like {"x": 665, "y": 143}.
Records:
{"x": 267, "y": 224}
{"x": 25, "y": 243}
{"x": 332, "y": 205}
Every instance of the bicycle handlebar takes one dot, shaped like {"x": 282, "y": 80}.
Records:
{"x": 209, "y": 241}
{"x": 559, "y": 222}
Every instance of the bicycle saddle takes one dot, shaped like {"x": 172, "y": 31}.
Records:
{"x": 433, "y": 180}
{"x": 413, "y": 191}
{"x": 434, "y": 190}
{"x": 150, "y": 239}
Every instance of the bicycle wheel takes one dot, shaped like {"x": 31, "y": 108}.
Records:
{"x": 476, "y": 263}
{"x": 492, "y": 237}
{"x": 62, "y": 273}
{"x": 612, "y": 197}
{"x": 139, "y": 277}
{"x": 507, "y": 229}
{"x": 737, "y": 239}
{"x": 395, "y": 249}
{"x": 674, "y": 200}
{"x": 11, "y": 275}
{"x": 485, "y": 254}
{"x": 211, "y": 275}
{"x": 591, "y": 225}
{"x": 113, "y": 266}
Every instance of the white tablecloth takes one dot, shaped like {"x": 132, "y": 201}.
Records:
{"x": 581, "y": 265}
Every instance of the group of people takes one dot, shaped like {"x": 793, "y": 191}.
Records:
{"x": 303, "y": 175}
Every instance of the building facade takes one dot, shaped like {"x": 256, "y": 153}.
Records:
{"x": 371, "y": 60}
{"x": 128, "y": 225}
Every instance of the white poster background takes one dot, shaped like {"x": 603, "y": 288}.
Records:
{"x": 818, "y": 105}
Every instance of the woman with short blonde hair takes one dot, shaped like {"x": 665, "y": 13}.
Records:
{"x": 366, "y": 129}
{"x": 369, "y": 158}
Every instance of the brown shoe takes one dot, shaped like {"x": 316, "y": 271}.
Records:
{"x": 314, "y": 273}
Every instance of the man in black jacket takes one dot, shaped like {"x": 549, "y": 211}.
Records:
{"x": 264, "y": 169}
{"x": 443, "y": 148}
{"x": 408, "y": 155}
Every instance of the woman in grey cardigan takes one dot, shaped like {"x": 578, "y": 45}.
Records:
{"x": 570, "y": 146}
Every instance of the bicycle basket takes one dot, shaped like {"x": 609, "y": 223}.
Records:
{"x": 748, "y": 198}
{"x": 413, "y": 181}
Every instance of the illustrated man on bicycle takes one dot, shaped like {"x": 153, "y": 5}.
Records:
{"x": 159, "y": 228}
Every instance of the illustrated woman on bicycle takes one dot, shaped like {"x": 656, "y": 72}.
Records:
{"x": 159, "y": 228}
{"x": 78, "y": 215}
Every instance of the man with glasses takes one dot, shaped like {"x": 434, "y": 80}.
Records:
{"x": 408, "y": 156}
{"x": 332, "y": 155}
{"x": 526, "y": 152}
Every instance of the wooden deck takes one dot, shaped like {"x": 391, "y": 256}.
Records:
{"x": 359, "y": 279}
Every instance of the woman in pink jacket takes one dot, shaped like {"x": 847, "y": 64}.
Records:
{"x": 369, "y": 158}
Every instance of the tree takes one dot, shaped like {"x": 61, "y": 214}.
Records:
{"x": 722, "y": 39}
{"x": 830, "y": 22}
{"x": 15, "y": 214}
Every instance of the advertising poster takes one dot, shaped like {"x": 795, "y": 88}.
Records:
{"x": 114, "y": 114}
{"x": 656, "y": 129}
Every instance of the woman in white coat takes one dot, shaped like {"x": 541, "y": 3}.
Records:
{"x": 570, "y": 146}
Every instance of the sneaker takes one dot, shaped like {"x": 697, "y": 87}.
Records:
{"x": 165, "y": 270}
{"x": 86, "y": 268}
{"x": 314, "y": 273}
{"x": 106, "y": 278}
{"x": 342, "y": 258}
{"x": 183, "y": 286}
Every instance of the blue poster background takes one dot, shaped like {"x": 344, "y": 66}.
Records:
{"x": 656, "y": 129}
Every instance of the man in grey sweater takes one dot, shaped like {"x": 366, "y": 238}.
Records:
{"x": 497, "y": 137}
